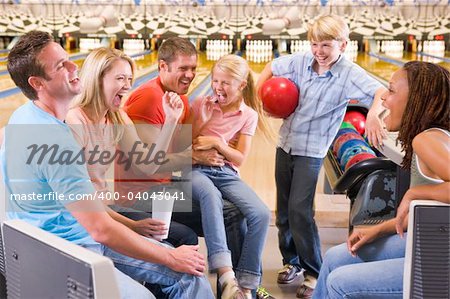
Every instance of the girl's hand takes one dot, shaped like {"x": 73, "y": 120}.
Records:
{"x": 362, "y": 236}
{"x": 172, "y": 106}
{"x": 207, "y": 142}
{"x": 207, "y": 109}
{"x": 149, "y": 227}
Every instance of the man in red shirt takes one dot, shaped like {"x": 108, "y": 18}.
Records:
{"x": 177, "y": 63}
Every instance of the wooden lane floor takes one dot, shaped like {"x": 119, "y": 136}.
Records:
{"x": 204, "y": 67}
{"x": 407, "y": 56}
{"x": 376, "y": 66}
{"x": 10, "y": 103}
{"x": 204, "y": 70}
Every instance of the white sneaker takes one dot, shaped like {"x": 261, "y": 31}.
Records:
{"x": 231, "y": 290}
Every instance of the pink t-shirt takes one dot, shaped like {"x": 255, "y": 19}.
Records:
{"x": 209, "y": 120}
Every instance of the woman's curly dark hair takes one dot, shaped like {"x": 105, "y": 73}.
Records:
{"x": 428, "y": 103}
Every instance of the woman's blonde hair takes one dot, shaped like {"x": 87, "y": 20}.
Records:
{"x": 91, "y": 99}
{"x": 328, "y": 27}
{"x": 239, "y": 69}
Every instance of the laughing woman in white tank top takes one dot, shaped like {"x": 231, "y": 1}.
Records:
{"x": 371, "y": 263}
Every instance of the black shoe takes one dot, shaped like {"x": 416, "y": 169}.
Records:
{"x": 289, "y": 273}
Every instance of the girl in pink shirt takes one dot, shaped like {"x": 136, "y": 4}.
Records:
{"x": 227, "y": 122}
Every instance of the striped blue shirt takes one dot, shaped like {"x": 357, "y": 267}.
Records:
{"x": 323, "y": 99}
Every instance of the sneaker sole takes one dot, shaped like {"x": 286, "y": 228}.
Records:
{"x": 297, "y": 277}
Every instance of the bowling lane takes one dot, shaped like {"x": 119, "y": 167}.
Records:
{"x": 3, "y": 61}
{"x": 145, "y": 63}
{"x": 384, "y": 69}
{"x": 204, "y": 67}
{"x": 404, "y": 57}
{"x": 408, "y": 56}
{"x": 257, "y": 68}
{"x": 201, "y": 87}
{"x": 8, "y": 104}
{"x": 378, "y": 67}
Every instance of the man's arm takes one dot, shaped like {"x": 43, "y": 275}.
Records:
{"x": 92, "y": 216}
{"x": 176, "y": 161}
{"x": 172, "y": 108}
{"x": 209, "y": 157}
{"x": 236, "y": 155}
{"x": 180, "y": 160}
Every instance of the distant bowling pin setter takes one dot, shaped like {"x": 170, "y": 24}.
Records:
{"x": 279, "y": 97}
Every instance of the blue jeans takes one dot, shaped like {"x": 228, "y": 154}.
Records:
{"x": 376, "y": 272}
{"x": 173, "y": 284}
{"x": 298, "y": 238}
{"x": 233, "y": 219}
{"x": 128, "y": 287}
{"x": 209, "y": 184}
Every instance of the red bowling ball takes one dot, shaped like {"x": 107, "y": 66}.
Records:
{"x": 357, "y": 119}
{"x": 359, "y": 158}
{"x": 279, "y": 97}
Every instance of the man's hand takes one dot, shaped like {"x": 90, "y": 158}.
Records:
{"x": 206, "y": 142}
{"x": 208, "y": 157}
{"x": 360, "y": 237}
{"x": 173, "y": 106}
{"x": 149, "y": 227}
{"x": 187, "y": 259}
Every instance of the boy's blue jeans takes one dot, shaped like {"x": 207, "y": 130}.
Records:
{"x": 298, "y": 237}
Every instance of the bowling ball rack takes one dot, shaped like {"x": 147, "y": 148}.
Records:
{"x": 374, "y": 188}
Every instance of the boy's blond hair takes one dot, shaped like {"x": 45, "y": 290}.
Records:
{"x": 328, "y": 27}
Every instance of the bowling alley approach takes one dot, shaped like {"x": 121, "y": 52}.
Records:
{"x": 226, "y": 149}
